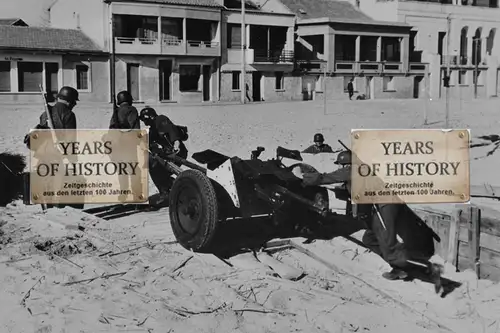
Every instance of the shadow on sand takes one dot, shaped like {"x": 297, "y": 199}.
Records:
{"x": 238, "y": 236}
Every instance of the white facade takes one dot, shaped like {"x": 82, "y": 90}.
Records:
{"x": 446, "y": 32}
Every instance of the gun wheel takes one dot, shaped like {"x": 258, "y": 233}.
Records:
{"x": 193, "y": 210}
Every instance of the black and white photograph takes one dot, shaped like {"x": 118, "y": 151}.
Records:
{"x": 249, "y": 166}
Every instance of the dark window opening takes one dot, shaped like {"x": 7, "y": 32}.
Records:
{"x": 189, "y": 77}
{"x": 29, "y": 76}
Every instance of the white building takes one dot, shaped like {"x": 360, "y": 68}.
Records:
{"x": 455, "y": 34}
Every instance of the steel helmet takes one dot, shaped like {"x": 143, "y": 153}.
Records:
{"x": 148, "y": 114}
{"x": 318, "y": 137}
{"x": 68, "y": 94}
{"x": 124, "y": 96}
{"x": 344, "y": 158}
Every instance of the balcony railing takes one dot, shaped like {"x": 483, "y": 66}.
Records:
{"x": 169, "y": 45}
{"x": 172, "y": 41}
{"x": 309, "y": 65}
{"x": 358, "y": 67}
{"x": 273, "y": 56}
{"x": 454, "y": 60}
{"x": 197, "y": 43}
{"x": 131, "y": 40}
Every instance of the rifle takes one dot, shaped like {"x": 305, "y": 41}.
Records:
{"x": 47, "y": 110}
{"x": 343, "y": 145}
{"x": 49, "y": 123}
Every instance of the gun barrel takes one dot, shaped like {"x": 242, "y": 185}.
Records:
{"x": 309, "y": 203}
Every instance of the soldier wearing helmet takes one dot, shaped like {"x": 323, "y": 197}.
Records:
{"x": 63, "y": 117}
{"x": 62, "y": 113}
{"x": 319, "y": 145}
{"x": 341, "y": 175}
{"x": 381, "y": 220}
{"x": 126, "y": 115}
{"x": 164, "y": 138}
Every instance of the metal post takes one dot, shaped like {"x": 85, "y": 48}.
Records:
{"x": 448, "y": 39}
{"x": 324, "y": 87}
{"x": 243, "y": 51}
{"x": 112, "y": 63}
{"x": 427, "y": 95}
{"x": 476, "y": 68}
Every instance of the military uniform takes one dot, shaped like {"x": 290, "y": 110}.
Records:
{"x": 319, "y": 146}
{"x": 381, "y": 236}
{"x": 126, "y": 117}
{"x": 62, "y": 117}
{"x": 314, "y": 149}
{"x": 163, "y": 133}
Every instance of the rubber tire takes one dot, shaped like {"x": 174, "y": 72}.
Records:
{"x": 202, "y": 239}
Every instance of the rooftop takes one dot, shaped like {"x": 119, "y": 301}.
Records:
{"x": 197, "y": 3}
{"x": 46, "y": 39}
{"x": 338, "y": 11}
{"x": 13, "y": 21}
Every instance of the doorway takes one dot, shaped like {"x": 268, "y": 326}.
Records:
{"x": 256, "y": 86}
{"x": 133, "y": 80}
{"x": 207, "y": 73}
{"x": 165, "y": 68}
{"x": 417, "y": 86}
{"x": 51, "y": 80}
{"x": 369, "y": 87}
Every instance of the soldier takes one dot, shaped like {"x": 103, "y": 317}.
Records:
{"x": 125, "y": 116}
{"x": 381, "y": 236}
{"x": 319, "y": 145}
{"x": 62, "y": 113}
{"x": 164, "y": 138}
{"x": 63, "y": 117}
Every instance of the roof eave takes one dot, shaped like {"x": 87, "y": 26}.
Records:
{"x": 327, "y": 20}
{"x": 167, "y": 4}
{"x": 54, "y": 51}
{"x": 256, "y": 11}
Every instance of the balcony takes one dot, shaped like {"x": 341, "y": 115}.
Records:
{"x": 454, "y": 60}
{"x": 143, "y": 35}
{"x": 260, "y": 56}
{"x": 203, "y": 48}
{"x": 234, "y": 56}
{"x": 273, "y": 56}
{"x": 137, "y": 45}
{"x": 310, "y": 65}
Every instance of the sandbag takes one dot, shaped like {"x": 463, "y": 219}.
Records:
{"x": 283, "y": 270}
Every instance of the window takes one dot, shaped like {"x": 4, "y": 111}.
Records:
{"x": 189, "y": 77}
{"x": 29, "y": 76}
{"x": 462, "y": 77}
{"x": 388, "y": 84}
{"x": 233, "y": 36}
{"x": 279, "y": 81}
{"x": 479, "y": 77}
{"x": 82, "y": 77}
{"x": 236, "y": 80}
{"x": 4, "y": 76}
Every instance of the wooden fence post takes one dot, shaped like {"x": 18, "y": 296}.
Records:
{"x": 474, "y": 221}
{"x": 453, "y": 243}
